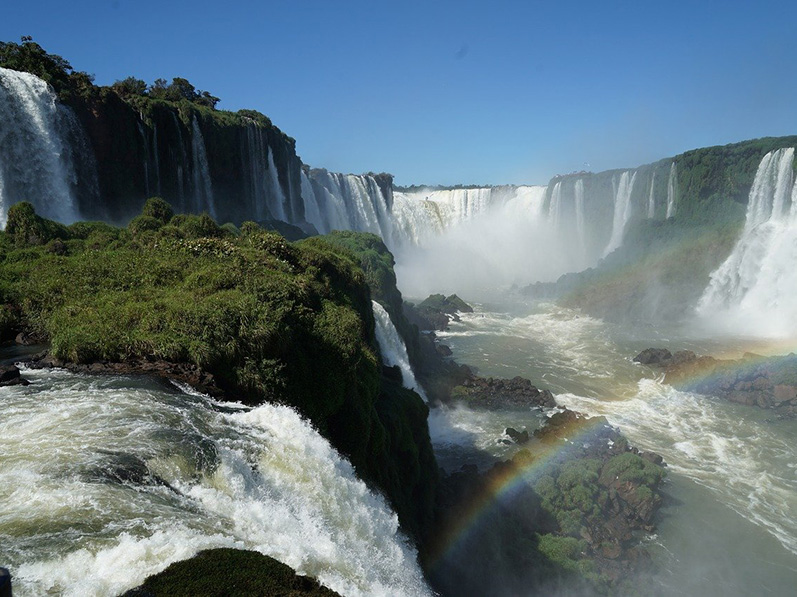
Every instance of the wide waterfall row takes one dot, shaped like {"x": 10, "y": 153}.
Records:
{"x": 43, "y": 151}
{"x": 754, "y": 291}
{"x": 105, "y": 162}
{"x": 335, "y": 201}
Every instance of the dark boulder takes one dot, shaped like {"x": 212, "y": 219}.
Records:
{"x": 653, "y": 356}
{"x": 10, "y": 376}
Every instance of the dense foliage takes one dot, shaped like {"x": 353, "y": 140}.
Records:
{"x": 268, "y": 318}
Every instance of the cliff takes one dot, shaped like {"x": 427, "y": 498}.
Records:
{"x": 264, "y": 319}
{"x": 685, "y": 215}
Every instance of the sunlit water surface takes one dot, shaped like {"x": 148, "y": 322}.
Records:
{"x": 729, "y": 523}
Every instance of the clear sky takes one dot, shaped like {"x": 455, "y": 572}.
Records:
{"x": 455, "y": 92}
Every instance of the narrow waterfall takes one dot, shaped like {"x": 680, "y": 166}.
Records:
{"x": 36, "y": 162}
{"x": 672, "y": 186}
{"x": 394, "y": 352}
{"x": 755, "y": 290}
{"x": 181, "y": 164}
{"x": 651, "y": 198}
{"x": 146, "y": 160}
{"x": 580, "y": 221}
{"x": 555, "y": 207}
{"x": 277, "y": 203}
{"x": 622, "y": 211}
{"x": 203, "y": 187}
{"x": 256, "y": 166}
{"x": 107, "y": 480}
{"x": 156, "y": 159}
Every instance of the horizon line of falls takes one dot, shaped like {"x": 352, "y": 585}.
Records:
{"x": 43, "y": 150}
{"x": 755, "y": 290}
{"x": 672, "y": 186}
{"x": 107, "y": 480}
{"x": 622, "y": 210}
{"x": 393, "y": 349}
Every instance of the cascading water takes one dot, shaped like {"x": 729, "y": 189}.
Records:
{"x": 346, "y": 202}
{"x": 581, "y": 226}
{"x": 36, "y": 163}
{"x": 555, "y": 207}
{"x": 754, "y": 290}
{"x": 672, "y": 185}
{"x": 203, "y": 187}
{"x": 394, "y": 352}
{"x": 622, "y": 211}
{"x": 146, "y": 160}
{"x": 277, "y": 203}
{"x": 106, "y": 480}
{"x": 181, "y": 164}
{"x": 651, "y": 198}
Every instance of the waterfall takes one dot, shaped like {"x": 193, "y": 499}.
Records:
{"x": 672, "y": 185}
{"x": 157, "y": 159}
{"x": 350, "y": 202}
{"x": 394, "y": 352}
{"x": 145, "y": 145}
{"x": 181, "y": 160}
{"x": 622, "y": 211}
{"x": 651, "y": 199}
{"x": 580, "y": 222}
{"x": 37, "y": 163}
{"x": 277, "y": 203}
{"x": 105, "y": 481}
{"x": 755, "y": 290}
{"x": 555, "y": 207}
{"x": 203, "y": 188}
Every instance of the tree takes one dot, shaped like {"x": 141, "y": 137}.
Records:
{"x": 130, "y": 87}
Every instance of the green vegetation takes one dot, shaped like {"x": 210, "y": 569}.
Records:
{"x": 445, "y": 304}
{"x": 270, "y": 319}
{"x": 630, "y": 468}
{"x": 229, "y": 573}
{"x": 30, "y": 57}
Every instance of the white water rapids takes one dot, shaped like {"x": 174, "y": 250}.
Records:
{"x": 107, "y": 480}
{"x": 728, "y": 525}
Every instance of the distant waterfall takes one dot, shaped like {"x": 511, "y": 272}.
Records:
{"x": 203, "y": 187}
{"x": 346, "y": 202}
{"x": 651, "y": 198}
{"x": 277, "y": 203}
{"x": 755, "y": 290}
{"x": 672, "y": 186}
{"x": 579, "y": 203}
{"x": 555, "y": 207}
{"x": 622, "y": 211}
{"x": 394, "y": 352}
{"x": 37, "y": 163}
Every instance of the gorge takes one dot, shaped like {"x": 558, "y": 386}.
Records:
{"x": 337, "y": 409}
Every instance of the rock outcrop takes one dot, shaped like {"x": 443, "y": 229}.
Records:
{"x": 766, "y": 382}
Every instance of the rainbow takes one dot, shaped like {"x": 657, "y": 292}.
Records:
{"x": 507, "y": 481}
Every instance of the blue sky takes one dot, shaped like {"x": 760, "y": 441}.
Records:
{"x": 455, "y": 92}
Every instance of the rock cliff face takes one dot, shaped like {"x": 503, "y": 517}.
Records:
{"x": 236, "y": 166}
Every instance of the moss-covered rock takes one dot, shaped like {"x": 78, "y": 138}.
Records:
{"x": 229, "y": 573}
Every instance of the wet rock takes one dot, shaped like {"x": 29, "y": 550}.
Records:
{"x": 519, "y": 437}
{"x": 653, "y": 356}
{"x": 10, "y": 376}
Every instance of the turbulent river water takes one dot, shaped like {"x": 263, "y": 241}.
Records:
{"x": 106, "y": 480}
{"x": 729, "y": 522}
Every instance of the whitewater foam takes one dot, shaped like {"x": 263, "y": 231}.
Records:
{"x": 107, "y": 480}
